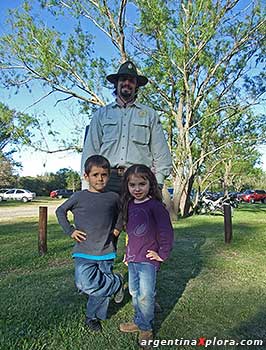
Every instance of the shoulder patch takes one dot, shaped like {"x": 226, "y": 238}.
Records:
{"x": 143, "y": 113}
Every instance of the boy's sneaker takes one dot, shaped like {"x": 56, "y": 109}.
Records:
{"x": 119, "y": 295}
{"x": 145, "y": 339}
{"x": 93, "y": 325}
{"x": 157, "y": 307}
{"x": 129, "y": 327}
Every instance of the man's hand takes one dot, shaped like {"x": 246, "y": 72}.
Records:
{"x": 152, "y": 255}
{"x": 124, "y": 260}
{"x": 116, "y": 232}
{"x": 79, "y": 236}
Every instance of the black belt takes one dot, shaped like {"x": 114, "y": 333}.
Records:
{"x": 120, "y": 171}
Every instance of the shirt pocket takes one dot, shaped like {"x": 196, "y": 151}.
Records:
{"x": 110, "y": 131}
{"x": 141, "y": 132}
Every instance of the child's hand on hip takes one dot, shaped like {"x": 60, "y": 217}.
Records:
{"x": 152, "y": 255}
{"x": 79, "y": 236}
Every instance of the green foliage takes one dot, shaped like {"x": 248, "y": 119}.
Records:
{"x": 62, "y": 61}
{"x": 14, "y": 127}
{"x": 73, "y": 180}
{"x": 202, "y": 65}
{"x": 15, "y": 130}
{"x": 42, "y": 185}
{"x": 8, "y": 176}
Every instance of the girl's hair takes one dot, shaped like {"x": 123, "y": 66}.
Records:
{"x": 98, "y": 161}
{"x": 144, "y": 172}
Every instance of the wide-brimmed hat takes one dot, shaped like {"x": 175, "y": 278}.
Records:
{"x": 127, "y": 68}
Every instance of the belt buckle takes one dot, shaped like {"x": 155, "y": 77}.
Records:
{"x": 120, "y": 171}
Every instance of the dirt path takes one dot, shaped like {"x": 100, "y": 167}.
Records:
{"x": 27, "y": 210}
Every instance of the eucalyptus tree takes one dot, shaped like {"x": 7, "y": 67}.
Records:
{"x": 8, "y": 175}
{"x": 63, "y": 60}
{"x": 228, "y": 171}
{"x": 14, "y": 127}
{"x": 205, "y": 61}
{"x": 239, "y": 137}
{"x": 15, "y": 130}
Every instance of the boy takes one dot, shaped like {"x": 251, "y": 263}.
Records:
{"x": 95, "y": 227}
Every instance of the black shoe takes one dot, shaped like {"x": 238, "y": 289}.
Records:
{"x": 119, "y": 295}
{"x": 157, "y": 307}
{"x": 93, "y": 325}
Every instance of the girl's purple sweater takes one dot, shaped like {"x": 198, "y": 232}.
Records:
{"x": 148, "y": 228}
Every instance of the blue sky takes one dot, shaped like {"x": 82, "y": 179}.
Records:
{"x": 37, "y": 163}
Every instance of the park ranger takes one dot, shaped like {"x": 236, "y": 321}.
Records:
{"x": 127, "y": 132}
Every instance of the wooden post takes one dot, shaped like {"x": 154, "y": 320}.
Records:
{"x": 42, "y": 242}
{"x": 227, "y": 223}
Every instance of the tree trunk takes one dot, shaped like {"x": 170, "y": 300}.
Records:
{"x": 169, "y": 204}
{"x": 185, "y": 205}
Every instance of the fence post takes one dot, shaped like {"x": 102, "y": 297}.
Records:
{"x": 42, "y": 241}
{"x": 228, "y": 232}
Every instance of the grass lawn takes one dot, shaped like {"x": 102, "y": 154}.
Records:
{"x": 207, "y": 289}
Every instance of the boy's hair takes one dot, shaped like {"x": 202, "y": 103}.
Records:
{"x": 144, "y": 172}
{"x": 96, "y": 160}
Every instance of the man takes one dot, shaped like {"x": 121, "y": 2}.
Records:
{"x": 127, "y": 132}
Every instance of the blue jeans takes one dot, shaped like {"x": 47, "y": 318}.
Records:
{"x": 96, "y": 279}
{"x": 141, "y": 283}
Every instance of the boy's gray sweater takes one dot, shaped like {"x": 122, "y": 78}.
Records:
{"x": 95, "y": 214}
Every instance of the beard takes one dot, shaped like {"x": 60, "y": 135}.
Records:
{"x": 126, "y": 92}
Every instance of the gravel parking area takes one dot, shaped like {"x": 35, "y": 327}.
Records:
{"x": 7, "y": 213}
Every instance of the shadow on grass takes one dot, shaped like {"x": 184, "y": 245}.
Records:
{"x": 187, "y": 259}
{"x": 183, "y": 265}
{"x": 37, "y": 302}
{"x": 252, "y": 329}
{"x": 247, "y": 207}
{"x": 20, "y": 243}
{"x": 39, "y": 296}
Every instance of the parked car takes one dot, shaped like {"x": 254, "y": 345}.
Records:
{"x": 3, "y": 190}
{"x": 18, "y": 194}
{"x": 62, "y": 193}
{"x": 252, "y": 196}
{"x": 233, "y": 194}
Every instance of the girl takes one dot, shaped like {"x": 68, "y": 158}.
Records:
{"x": 150, "y": 239}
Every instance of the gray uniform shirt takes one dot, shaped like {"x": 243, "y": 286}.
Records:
{"x": 96, "y": 215}
{"x": 127, "y": 136}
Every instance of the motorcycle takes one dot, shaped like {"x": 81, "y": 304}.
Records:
{"x": 207, "y": 204}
